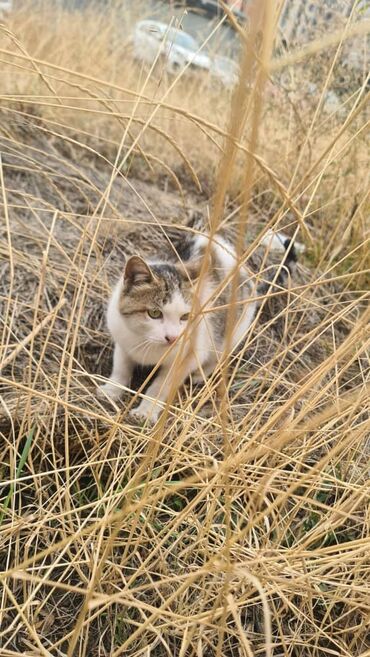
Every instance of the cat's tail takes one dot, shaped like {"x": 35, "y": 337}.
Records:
{"x": 278, "y": 242}
{"x": 290, "y": 258}
{"x": 277, "y": 275}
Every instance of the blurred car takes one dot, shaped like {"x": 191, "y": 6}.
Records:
{"x": 5, "y": 7}
{"x": 225, "y": 70}
{"x": 175, "y": 46}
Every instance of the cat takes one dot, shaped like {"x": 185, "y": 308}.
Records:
{"x": 149, "y": 313}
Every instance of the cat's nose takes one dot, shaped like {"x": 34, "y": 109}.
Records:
{"x": 170, "y": 339}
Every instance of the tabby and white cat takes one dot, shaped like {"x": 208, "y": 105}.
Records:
{"x": 149, "y": 311}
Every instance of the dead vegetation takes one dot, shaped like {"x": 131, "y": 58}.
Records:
{"x": 239, "y": 524}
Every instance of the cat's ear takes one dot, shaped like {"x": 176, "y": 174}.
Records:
{"x": 191, "y": 268}
{"x": 137, "y": 271}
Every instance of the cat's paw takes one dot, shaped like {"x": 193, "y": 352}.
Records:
{"x": 114, "y": 392}
{"x": 198, "y": 378}
{"x": 146, "y": 412}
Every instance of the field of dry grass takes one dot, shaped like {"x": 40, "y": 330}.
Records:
{"x": 239, "y": 524}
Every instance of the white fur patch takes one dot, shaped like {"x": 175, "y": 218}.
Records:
{"x": 176, "y": 307}
{"x": 144, "y": 340}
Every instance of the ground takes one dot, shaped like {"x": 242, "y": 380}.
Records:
{"x": 238, "y": 525}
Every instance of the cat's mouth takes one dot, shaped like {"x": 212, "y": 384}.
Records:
{"x": 163, "y": 343}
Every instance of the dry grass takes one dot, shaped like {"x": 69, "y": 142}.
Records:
{"x": 239, "y": 525}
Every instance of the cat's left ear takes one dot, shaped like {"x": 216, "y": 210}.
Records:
{"x": 191, "y": 269}
{"x": 137, "y": 271}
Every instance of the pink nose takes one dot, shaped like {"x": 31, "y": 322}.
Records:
{"x": 171, "y": 339}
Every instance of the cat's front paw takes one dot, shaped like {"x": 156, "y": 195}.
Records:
{"x": 198, "y": 378}
{"x": 146, "y": 412}
{"x": 114, "y": 392}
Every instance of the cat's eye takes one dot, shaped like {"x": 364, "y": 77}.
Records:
{"x": 184, "y": 318}
{"x": 154, "y": 313}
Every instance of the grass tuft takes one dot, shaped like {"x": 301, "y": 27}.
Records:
{"x": 239, "y": 524}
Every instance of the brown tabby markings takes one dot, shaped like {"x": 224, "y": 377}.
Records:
{"x": 155, "y": 293}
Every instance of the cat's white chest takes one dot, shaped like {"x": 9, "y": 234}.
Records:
{"x": 147, "y": 354}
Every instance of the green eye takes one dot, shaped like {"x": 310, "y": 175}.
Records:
{"x": 154, "y": 313}
{"x": 184, "y": 318}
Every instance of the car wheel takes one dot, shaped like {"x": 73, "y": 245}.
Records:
{"x": 175, "y": 66}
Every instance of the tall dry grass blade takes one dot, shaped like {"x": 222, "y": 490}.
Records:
{"x": 239, "y": 525}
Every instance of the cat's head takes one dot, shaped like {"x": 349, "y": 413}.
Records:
{"x": 156, "y": 299}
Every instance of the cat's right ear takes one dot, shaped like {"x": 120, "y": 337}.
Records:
{"x": 137, "y": 272}
{"x": 192, "y": 268}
